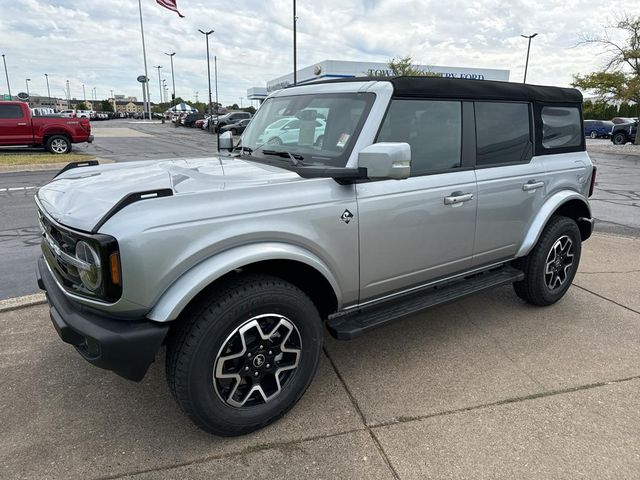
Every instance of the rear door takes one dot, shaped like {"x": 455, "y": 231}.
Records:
{"x": 511, "y": 182}
{"x": 420, "y": 229}
{"x": 15, "y": 128}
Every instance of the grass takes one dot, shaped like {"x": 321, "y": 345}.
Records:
{"x": 41, "y": 157}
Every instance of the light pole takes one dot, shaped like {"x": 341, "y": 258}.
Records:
{"x": 173, "y": 80}
{"x": 48, "y": 91}
{"x": 84, "y": 95}
{"x": 206, "y": 34}
{"x": 241, "y": 98}
{"x": 26, "y": 82}
{"x": 68, "y": 96}
{"x": 4, "y": 60}
{"x": 145, "y": 85}
{"x": 159, "y": 83}
{"x": 215, "y": 76}
{"x": 295, "y": 59}
{"x": 526, "y": 65}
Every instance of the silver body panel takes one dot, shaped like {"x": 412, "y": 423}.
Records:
{"x": 227, "y": 213}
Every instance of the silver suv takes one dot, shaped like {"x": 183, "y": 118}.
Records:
{"x": 382, "y": 198}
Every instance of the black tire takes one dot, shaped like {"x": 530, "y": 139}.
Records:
{"x": 319, "y": 140}
{"x": 58, "y": 144}
{"x": 275, "y": 141}
{"x": 535, "y": 287}
{"x": 196, "y": 343}
{"x": 619, "y": 139}
{"x": 593, "y": 134}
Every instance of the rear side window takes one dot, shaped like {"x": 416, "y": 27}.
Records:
{"x": 10, "y": 111}
{"x": 503, "y": 133}
{"x": 433, "y": 128}
{"x": 561, "y": 127}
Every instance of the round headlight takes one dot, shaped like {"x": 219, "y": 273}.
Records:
{"x": 92, "y": 275}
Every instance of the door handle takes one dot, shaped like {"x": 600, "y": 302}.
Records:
{"x": 457, "y": 197}
{"x": 22, "y": 124}
{"x": 532, "y": 185}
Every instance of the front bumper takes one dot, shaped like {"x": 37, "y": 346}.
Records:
{"x": 90, "y": 139}
{"x": 127, "y": 347}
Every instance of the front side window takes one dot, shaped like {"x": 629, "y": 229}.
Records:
{"x": 503, "y": 133}
{"x": 10, "y": 111}
{"x": 433, "y": 128}
{"x": 319, "y": 128}
{"x": 561, "y": 127}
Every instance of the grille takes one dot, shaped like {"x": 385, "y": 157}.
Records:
{"x": 57, "y": 246}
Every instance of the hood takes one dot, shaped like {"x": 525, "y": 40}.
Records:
{"x": 80, "y": 197}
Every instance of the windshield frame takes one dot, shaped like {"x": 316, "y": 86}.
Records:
{"x": 340, "y": 160}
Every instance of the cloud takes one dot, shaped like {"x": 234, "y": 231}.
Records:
{"x": 98, "y": 43}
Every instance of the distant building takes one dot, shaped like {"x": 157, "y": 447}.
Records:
{"x": 331, "y": 69}
{"x": 129, "y": 106}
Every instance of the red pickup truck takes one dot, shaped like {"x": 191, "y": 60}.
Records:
{"x": 56, "y": 134}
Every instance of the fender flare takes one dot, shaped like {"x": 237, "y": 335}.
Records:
{"x": 544, "y": 214}
{"x": 188, "y": 285}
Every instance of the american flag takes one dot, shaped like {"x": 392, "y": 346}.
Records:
{"x": 170, "y": 5}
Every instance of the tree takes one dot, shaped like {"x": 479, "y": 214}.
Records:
{"x": 107, "y": 106}
{"x": 81, "y": 106}
{"x": 620, "y": 77}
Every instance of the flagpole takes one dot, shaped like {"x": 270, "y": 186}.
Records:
{"x": 144, "y": 56}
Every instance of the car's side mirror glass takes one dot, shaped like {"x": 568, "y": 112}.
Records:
{"x": 386, "y": 160}
{"x": 226, "y": 141}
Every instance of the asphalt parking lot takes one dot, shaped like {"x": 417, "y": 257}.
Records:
{"x": 485, "y": 388}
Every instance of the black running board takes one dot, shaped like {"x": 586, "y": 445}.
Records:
{"x": 351, "y": 324}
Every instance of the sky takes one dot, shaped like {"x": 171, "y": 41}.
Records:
{"x": 98, "y": 42}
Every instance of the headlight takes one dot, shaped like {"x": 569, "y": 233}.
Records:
{"x": 91, "y": 275}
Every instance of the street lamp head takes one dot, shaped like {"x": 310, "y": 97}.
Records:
{"x": 28, "y": 79}
{"x": 170, "y": 54}
{"x": 529, "y": 36}
{"x": 206, "y": 33}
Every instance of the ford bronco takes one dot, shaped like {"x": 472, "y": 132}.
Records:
{"x": 416, "y": 191}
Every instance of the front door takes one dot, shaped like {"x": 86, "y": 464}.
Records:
{"x": 15, "y": 129}
{"x": 420, "y": 229}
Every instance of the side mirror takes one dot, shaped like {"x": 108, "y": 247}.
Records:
{"x": 226, "y": 141}
{"x": 386, "y": 160}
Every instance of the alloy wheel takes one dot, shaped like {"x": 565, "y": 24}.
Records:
{"x": 257, "y": 360}
{"x": 559, "y": 263}
{"x": 59, "y": 145}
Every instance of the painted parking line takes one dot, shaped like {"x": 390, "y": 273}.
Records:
{"x": 16, "y": 189}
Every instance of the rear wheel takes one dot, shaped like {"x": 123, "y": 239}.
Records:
{"x": 593, "y": 134}
{"x": 551, "y": 266}
{"x": 619, "y": 139}
{"x": 242, "y": 358}
{"x": 58, "y": 144}
{"x": 275, "y": 141}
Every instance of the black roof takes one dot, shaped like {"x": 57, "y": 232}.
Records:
{"x": 438, "y": 87}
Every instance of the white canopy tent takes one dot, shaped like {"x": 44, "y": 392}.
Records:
{"x": 181, "y": 107}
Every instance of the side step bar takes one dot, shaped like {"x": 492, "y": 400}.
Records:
{"x": 352, "y": 324}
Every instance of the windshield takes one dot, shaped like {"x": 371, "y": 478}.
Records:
{"x": 319, "y": 128}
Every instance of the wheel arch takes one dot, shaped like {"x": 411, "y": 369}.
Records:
{"x": 568, "y": 204}
{"x": 291, "y": 263}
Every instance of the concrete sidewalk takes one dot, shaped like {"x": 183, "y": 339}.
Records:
{"x": 488, "y": 387}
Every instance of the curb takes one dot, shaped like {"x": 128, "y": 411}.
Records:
{"x": 40, "y": 167}
{"x": 22, "y": 302}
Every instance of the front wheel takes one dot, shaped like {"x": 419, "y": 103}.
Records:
{"x": 551, "y": 266}
{"x": 243, "y": 357}
{"x": 594, "y": 134}
{"x": 58, "y": 144}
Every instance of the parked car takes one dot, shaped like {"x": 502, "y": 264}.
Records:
{"x": 42, "y": 111}
{"x": 228, "y": 119}
{"x": 236, "y": 128}
{"x": 286, "y": 131}
{"x": 598, "y": 128}
{"x": 422, "y": 190}
{"x": 19, "y": 127}
{"x": 190, "y": 119}
{"x": 624, "y": 132}
{"x": 71, "y": 113}
{"x": 199, "y": 123}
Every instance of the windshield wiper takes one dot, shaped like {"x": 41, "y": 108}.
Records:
{"x": 296, "y": 158}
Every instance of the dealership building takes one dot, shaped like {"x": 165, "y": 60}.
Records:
{"x": 330, "y": 69}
